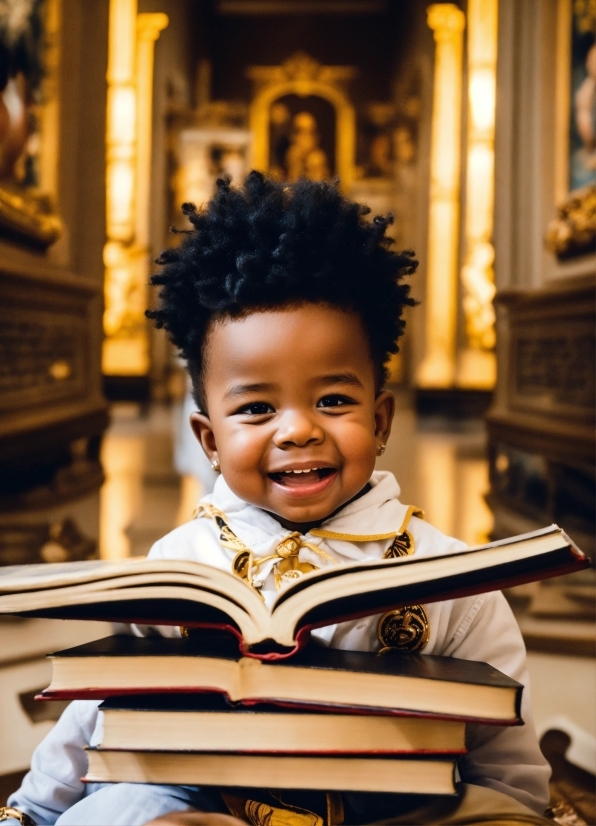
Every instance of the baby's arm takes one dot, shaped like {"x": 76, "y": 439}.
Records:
{"x": 507, "y": 759}
{"x": 196, "y": 819}
{"x": 53, "y": 784}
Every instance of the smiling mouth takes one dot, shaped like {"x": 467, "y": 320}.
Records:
{"x": 302, "y": 478}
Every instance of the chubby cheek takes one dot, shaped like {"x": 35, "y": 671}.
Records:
{"x": 357, "y": 446}
{"x": 241, "y": 456}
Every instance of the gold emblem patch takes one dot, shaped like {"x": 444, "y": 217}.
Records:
{"x": 402, "y": 545}
{"x": 404, "y": 629}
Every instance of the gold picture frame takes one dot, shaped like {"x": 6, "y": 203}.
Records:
{"x": 573, "y": 232}
{"x": 304, "y": 77}
{"x": 27, "y": 213}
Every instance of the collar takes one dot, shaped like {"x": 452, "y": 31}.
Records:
{"x": 375, "y": 515}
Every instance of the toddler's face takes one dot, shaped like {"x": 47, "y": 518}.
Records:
{"x": 293, "y": 417}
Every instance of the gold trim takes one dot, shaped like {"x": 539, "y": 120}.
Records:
{"x": 412, "y": 511}
{"x": 29, "y": 212}
{"x": 351, "y": 537}
{"x": 573, "y": 232}
{"x": 287, "y": 552}
{"x": 30, "y": 215}
{"x": 562, "y": 99}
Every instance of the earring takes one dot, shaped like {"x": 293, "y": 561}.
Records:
{"x": 380, "y": 450}
{"x": 215, "y": 465}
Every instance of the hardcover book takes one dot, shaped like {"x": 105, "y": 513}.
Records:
{"x": 169, "y": 591}
{"x": 207, "y": 723}
{"x": 316, "y": 677}
{"x": 358, "y": 774}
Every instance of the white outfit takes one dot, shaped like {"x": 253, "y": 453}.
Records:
{"x": 479, "y": 627}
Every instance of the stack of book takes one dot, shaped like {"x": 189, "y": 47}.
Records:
{"x": 195, "y": 711}
{"x": 246, "y": 702}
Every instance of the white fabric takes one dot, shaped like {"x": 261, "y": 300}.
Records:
{"x": 476, "y": 628}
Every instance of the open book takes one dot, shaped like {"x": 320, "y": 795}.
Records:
{"x": 178, "y": 592}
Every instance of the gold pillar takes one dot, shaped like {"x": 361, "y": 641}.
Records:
{"x": 128, "y": 164}
{"x": 149, "y": 27}
{"x": 477, "y": 364}
{"x": 438, "y": 366}
{"x": 121, "y": 121}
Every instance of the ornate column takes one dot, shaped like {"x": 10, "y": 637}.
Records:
{"x": 128, "y": 146}
{"x": 477, "y": 364}
{"x": 149, "y": 27}
{"x": 437, "y": 369}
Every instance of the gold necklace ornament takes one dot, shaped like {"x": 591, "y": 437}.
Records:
{"x": 288, "y": 566}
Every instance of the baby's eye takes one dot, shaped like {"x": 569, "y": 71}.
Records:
{"x": 256, "y": 409}
{"x": 334, "y": 400}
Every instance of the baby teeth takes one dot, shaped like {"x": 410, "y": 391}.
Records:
{"x": 309, "y": 470}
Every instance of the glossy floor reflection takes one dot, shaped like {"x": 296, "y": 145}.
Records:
{"x": 440, "y": 466}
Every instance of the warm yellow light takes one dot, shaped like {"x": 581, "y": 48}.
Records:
{"x": 120, "y": 200}
{"x": 479, "y": 194}
{"x": 122, "y": 125}
{"x": 477, "y": 362}
{"x": 122, "y": 41}
{"x": 482, "y": 98}
{"x": 128, "y": 154}
{"x": 438, "y": 367}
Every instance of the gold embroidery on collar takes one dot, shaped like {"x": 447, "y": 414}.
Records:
{"x": 288, "y": 566}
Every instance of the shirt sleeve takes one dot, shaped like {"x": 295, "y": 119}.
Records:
{"x": 53, "y": 784}
{"x": 505, "y": 758}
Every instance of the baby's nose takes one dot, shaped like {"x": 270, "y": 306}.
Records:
{"x": 297, "y": 427}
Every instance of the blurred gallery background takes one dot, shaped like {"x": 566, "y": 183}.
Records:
{"x": 474, "y": 123}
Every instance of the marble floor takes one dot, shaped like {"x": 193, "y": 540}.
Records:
{"x": 441, "y": 468}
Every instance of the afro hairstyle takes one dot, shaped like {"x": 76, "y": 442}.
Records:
{"x": 269, "y": 245}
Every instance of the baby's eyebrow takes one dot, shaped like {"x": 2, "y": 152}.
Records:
{"x": 350, "y": 379}
{"x": 243, "y": 389}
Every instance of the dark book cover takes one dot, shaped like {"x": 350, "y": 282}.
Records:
{"x": 316, "y": 657}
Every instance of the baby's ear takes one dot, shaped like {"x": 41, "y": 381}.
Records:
{"x": 201, "y": 427}
{"x": 384, "y": 412}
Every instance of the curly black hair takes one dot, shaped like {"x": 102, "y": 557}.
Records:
{"x": 269, "y": 244}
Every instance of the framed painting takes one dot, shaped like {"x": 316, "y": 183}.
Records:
{"x": 302, "y": 121}
{"x": 302, "y": 138}
{"x": 28, "y": 52}
{"x": 582, "y": 109}
{"x": 573, "y": 232}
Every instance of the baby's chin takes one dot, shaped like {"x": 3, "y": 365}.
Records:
{"x": 304, "y": 517}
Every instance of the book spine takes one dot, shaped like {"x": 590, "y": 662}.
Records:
{"x": 272, "y": 650}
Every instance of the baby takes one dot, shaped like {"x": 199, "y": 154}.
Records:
{"x": 286, "y": 305}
